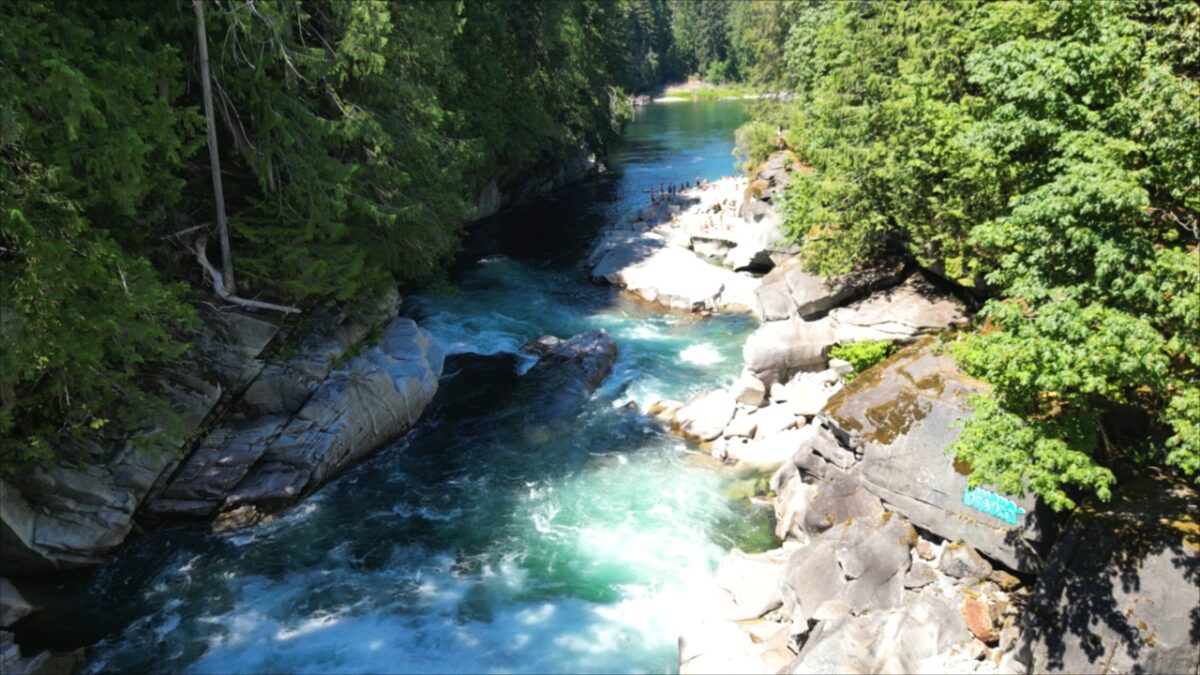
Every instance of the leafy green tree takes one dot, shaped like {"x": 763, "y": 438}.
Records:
{"x": 91, "y": 142}
{"x": 1045, "y": 155}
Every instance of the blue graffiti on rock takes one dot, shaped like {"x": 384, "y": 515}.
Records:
{"x": 993, "y": 504}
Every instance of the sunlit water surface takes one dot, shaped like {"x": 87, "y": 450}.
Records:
{"x": 484, "y": 540}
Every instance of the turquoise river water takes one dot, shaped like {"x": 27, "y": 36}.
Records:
{"x": 481, "y": 541}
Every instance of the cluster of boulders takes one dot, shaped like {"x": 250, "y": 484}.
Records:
{"x": 889, "y": 560}
{"x": 855, "y": 586}
{"x": 256, "y": 435}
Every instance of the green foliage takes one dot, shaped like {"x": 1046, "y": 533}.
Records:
{"x": 863, "y": 354}
{"x": 87, "y": 154}
{"x": 354, "y": 138}
{"x": 1046, "y": 154}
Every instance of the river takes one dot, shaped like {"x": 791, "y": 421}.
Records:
{"x": 481, "y": 541}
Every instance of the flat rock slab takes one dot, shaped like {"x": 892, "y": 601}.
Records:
{"x": 902, "y": 416}
{"x": 902, "y": 313}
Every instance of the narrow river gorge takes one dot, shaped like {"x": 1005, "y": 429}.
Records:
{"x": 483, "y": 540}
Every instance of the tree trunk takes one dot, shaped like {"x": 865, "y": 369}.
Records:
{"x": 213, "y": 154}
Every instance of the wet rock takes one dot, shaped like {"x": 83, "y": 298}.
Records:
{"x": 664, "y": 409}
{"x": 1119, "y": 592}
{"x": 705, "y": 417}
{"x": 902, "y": 313}
{"x": 902, "y": 415}
{"x": 580, "y": 363}
{"x": 779, "y": 349}
{"x": 961, "y": 561}
{"x": 361, "y": 405}
{"x": 13, "y": 606}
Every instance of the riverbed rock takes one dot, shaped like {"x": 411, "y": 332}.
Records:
{"x": 901, "y": 416}
{"x": 749, "y": 390}
{"x": 779, "y": 349}
{"x": 753, "y": 582}
{"x": 261, "y": 463}
{"x": 645, "y": 264}
{"x": 787, "y": 291}
{"x": 769, "y": 453}
{"x": 772, "y": 420}
{"x": 961, "y": 561}
{"x": 806, "y": 394}
{"x": 1121, "y": 589}
{"x": 705, "y": 417}
{"x": 902, "y": 313}
{"x": 899, "y": 640}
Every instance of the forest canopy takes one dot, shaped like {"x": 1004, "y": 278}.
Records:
{"x": 1045, "y": 156}
{"x": 354, "y": 138}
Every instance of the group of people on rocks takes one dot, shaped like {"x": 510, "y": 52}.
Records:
{"x": 667, "y": 190}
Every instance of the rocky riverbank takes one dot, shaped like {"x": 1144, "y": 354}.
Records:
{"x": 888, "y": 560}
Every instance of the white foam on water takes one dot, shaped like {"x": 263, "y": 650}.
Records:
{"x": 701, "y": 354}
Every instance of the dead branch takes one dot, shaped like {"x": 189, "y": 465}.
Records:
{"x": 218, "y": 284}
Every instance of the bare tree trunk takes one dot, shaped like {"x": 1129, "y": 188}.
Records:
{"x": 213, "y": 154}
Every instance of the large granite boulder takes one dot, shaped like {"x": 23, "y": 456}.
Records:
{"x": 787, "y": 291}
{"x": 567, "y": 372}
{"x": 1120, "y": 592}
{"x": 269, "y": 461}
{"x": 902, "y": 416}
{"x": 779, "y": 349}
{"x": 902, "y": 313}
{"x": 900, "y": 640}
{"x": 705, "y": 416}
{"x": 645, "y": 264}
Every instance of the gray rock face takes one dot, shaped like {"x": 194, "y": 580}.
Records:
{"x": 66, "y": 517}
{"x": 787, "y": 291}
{"x": 567, "y": 373}
{"x": 838, "y": 500}
{"x": 902, "y": 313}
{"x": 1121, "y": 590}
{"x": 961, "y": 561}
{"x": 645, "y": 264}
{"x": 894, "y": 641}
{"x": 270, "y": 461}
{"x": 508, "y": 189}
{"x": 779, "y": 349}
{"x": 705, "y": 417}
{"x": 902, "y": 416}
{"x": 859, "y": 564}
